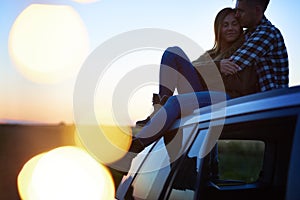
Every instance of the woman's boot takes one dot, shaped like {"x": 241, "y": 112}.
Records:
{"x": 157, "y": 102}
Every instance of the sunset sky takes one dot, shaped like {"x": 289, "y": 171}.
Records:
{"x": 44, "y": 44}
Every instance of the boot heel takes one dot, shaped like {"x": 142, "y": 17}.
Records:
{"x": 156, "y": 102}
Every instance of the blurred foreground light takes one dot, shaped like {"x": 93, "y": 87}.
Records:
{"x": 48, "y": 43}
{"x": 107, "y": 143}
{"x": 65, "y": 173}
{"x": 24, "y": 177}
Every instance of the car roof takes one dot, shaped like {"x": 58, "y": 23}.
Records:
{"x": 269, "y": 100}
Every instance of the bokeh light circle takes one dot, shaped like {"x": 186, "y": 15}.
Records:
{"x": 66, "y": 173}
{"x": 48, "y": 43}
{"x": 25, "y": 175}
{"x": 106, "y": 143}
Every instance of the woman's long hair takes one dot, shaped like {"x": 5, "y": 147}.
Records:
{"x": 214, "y": 53}
{"x": 217, "y": 29}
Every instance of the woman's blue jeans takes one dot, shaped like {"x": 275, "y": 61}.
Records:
{"x": 176, "y": 107}
{"x": 177, "y": 72}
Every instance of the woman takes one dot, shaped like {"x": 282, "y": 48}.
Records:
{"x": 177, "y": 71}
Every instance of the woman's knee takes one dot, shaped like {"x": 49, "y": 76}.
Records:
{"x": 173, "y": 54}
{"x": 172, "y": 106}
{"x": 172, "y": 102}
{"x": 175, "y": 50}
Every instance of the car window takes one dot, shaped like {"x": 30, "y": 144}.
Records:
{"x": 148, "y": 183}
{"x": 253, "y": 158}
{"x": 244, "y": 155}
{"x": 240, "y": 159}
{"x": 127, "y": 180}
{"x": 184, "y": 184}
{"x": 153, "y": 174}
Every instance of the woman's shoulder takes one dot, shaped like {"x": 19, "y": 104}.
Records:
{"x": 205, "y": 57}
{"x": 233, "y": 48}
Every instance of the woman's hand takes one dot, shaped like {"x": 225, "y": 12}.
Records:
{"x": 228, "y": 67}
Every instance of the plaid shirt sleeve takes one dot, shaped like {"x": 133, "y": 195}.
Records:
{"x": 265, "y": 50}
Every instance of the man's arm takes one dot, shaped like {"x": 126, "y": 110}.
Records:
{"x": 228, "y": 67}
{"x": 257, "y": 46}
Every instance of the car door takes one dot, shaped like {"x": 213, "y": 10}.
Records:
{"x": 254, "y": 155}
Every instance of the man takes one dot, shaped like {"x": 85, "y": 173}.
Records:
{"x": 264, "y": 47}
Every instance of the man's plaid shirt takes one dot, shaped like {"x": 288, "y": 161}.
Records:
{"x": 265, "y": 50}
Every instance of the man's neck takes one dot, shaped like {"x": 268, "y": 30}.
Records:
{"x": 256, "y": 23}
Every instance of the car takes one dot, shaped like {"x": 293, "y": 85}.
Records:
{"x": 247, "y": 149}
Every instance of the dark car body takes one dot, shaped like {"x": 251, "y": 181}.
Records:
{"x": 258, "y": 133}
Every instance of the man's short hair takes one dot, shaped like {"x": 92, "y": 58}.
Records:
{"x": 263, "y": 3}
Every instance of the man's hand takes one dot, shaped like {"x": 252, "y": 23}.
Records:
{"x": 228, "y": 67}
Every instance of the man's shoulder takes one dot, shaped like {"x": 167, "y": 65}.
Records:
{"x": 266, "y": 27}
{"x": 267, "y": 24}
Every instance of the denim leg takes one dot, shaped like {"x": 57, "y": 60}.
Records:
{"x": 176, "y": 71}
{"x": 176, "y": 106}
{"x": 160, "y": 122}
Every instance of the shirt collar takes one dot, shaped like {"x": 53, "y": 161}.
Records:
{"x": 264, "y": 21}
